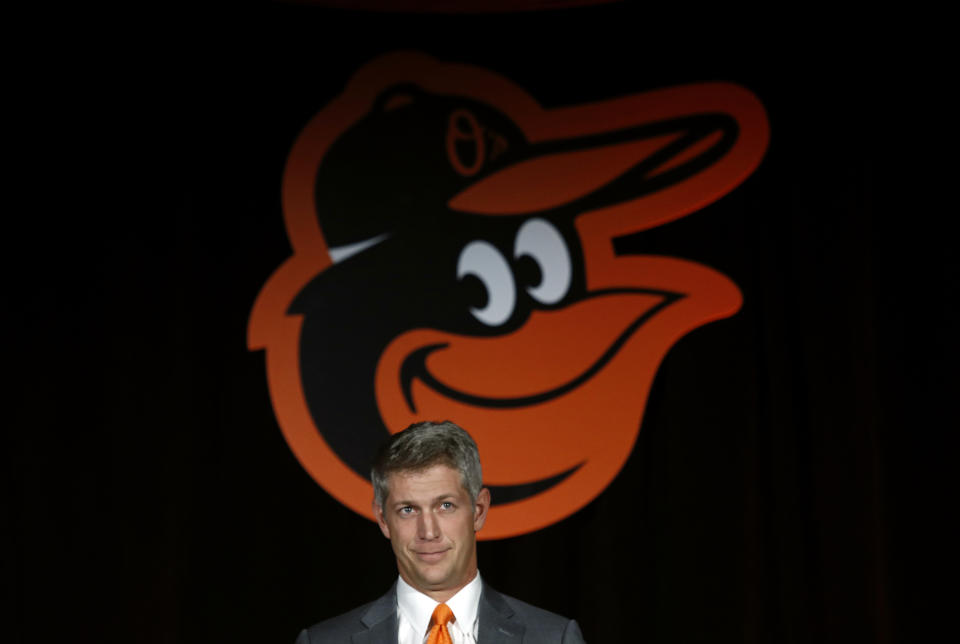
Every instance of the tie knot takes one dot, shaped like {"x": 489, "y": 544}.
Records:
{"x": 442, "y": 615}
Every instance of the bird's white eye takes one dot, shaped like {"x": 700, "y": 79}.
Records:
{"x": 540, "y": 240}
{"x": 483, "y": 260}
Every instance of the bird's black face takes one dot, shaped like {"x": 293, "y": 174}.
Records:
{"x": 482, "y": 277}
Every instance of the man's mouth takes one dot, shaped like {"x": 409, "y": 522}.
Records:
{"x": 431, "y": 557}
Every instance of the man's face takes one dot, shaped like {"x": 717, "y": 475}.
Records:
{"x": 431, "y": 523}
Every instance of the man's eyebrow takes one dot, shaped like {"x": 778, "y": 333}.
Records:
{"x": 400, "y": 503}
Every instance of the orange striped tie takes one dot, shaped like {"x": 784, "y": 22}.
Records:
{"x": 442, "y": 615}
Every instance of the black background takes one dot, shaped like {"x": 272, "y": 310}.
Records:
{"x": 786, "y": 485}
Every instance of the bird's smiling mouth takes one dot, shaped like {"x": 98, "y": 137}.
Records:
{"x": 414, "y": 366}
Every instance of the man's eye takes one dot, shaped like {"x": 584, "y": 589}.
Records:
{"x": 446, "y": 505}
{"x": 406, "y": 510}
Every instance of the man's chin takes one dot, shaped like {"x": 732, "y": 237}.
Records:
{"x": 434, "y": 578}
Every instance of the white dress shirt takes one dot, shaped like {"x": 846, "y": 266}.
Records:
{"x": 414, "y": 610}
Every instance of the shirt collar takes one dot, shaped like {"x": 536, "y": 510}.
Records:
{"x": 465, "y": 603}
{"x": 418, "y": 608}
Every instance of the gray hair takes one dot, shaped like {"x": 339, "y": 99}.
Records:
{"x": 423, "y": 445}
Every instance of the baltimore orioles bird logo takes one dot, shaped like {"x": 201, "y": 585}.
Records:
{"x": 453, "y": 258}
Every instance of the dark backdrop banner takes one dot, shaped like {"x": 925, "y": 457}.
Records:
{"x": 771, "y": 476}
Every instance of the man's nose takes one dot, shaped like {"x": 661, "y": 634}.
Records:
{"x": 429, "y": 526}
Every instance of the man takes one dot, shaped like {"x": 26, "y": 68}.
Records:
{"x": 430, "y": 502}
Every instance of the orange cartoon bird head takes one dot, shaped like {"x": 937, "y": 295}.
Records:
{"x": 454, "y": 258}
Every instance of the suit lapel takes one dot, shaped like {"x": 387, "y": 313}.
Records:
{"x": 380, "y": 621}
{"x": 497, "y": 622}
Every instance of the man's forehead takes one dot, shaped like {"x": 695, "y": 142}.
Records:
{"x": 432, "y": 481}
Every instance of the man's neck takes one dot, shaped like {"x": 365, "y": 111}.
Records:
{"x": 442, "y": 595}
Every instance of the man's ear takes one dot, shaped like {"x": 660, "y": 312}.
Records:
{"x": 378, "y": 515}
{"x": 480, "y": 509}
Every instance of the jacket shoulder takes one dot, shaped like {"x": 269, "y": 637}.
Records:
{"x": 335, "y": 629}
{"x": 531, "y": 613}
{"x": 542, "y": 625}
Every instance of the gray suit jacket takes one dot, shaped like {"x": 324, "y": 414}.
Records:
{"x": 503, "y": 620}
